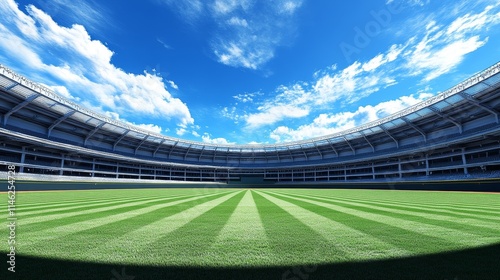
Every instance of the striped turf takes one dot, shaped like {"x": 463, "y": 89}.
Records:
{"x": 249, "y": 228}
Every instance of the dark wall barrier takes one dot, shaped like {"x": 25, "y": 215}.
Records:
{"x": 491, "y": 185}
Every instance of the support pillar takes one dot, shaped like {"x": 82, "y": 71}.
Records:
{"x": 427, "y": 164}
{"x": 464, "y": 160}
{"x": 399, "y": 168}
{"x": 62, "y": 165}
{"x": 23, "y": 157}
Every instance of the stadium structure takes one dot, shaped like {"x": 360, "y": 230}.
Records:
{"x": 453, "y": 135}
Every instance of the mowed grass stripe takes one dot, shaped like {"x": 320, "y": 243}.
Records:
{"x": 401, "y": 238}
{"x": 350, "y": 244}
{"x": 46, "y": 218}
{"x": 92, "y": 211}
{"x": 191, "y": 243}
{"x": 90, "y": 241}
{"x": 291, "y": 240}
{"x": 25, "y": 207}
{"x": 456, "y": 212}
{"x": 98, "y": 214}
{"x": 432, "y": 199}
{"x": 98, "y": 196}
{"x": 243, "y": 238}
{"x": 48, "y": 198}
{"x": 143, "y": 245}
{"x": 32, "y": 199}
{"x": 29, "y": 238}
{"x": 22, "y": 214}
{"x": 420, "y": 215}
{"x": 451, "y": 235}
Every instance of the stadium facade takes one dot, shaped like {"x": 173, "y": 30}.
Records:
{"x": 455, "y": 133}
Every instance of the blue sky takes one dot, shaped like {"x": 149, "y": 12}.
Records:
{"x": 248, "y": 71}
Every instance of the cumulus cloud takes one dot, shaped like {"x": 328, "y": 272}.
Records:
{"x": 83, "y": 65}
{"x": 247, "y": 32}
{"x": 329, "y": 123}
{"x": 290, "y": 102}
{"x": 443, "y": 48}
{"x": 432, "y": 52}
{"x": 207, "y": 138}
{"x": 147, "y": 127}
{"x": 358, "y": 80}
{"x": 150, "y": 127}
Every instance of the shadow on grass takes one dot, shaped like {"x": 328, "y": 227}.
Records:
{"x": 477, "y": 263}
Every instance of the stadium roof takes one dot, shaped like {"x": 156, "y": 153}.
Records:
{"x": 34, "y": 92}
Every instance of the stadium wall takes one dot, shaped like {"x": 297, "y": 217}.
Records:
{"x": 492, "y": 185}
{"x": 451, "y": 137}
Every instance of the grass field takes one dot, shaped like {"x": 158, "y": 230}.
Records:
{"x": 255, "y": 234}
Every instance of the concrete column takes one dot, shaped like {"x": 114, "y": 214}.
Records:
{"x": 62, "y": 165}
{"x": 399, "y": 168}
{"x": 427, "y": 164}
{"x": 23, "y": 156}
{"x": 464, "y": 160}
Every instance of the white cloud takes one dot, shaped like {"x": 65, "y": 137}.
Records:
{"x": 410, "y": 2}
{"x": 89, "y": 13}
{"x": 228, "y": 7}
{"x": 63, "y": 91}
{"x": 358, "y": 80}
{"x": 290, "y": 7}
{"x": 173, "y": 85}
{"x": 190, "y": 10}
{"x": 443, "y": 48}
{"x": 435, "y": 51}
{"x": 165, "y": 45}
{"x": 246, "y": 97}
{"x": 148, "y": 127}
{"x": 274, "y": 114}
{"x": 232, "y": 114}
{"x": 236, "y": 21}
{"x": 325, "y": 124}
{"x": 208, "y": 139}
{"x": 291, "y": 102}
{"x": 180, "y": 131}
{"x": 83, "y": 65}
{"x": 246, "y": 32}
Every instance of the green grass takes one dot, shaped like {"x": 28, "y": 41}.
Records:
{"x": 325, "y": 234}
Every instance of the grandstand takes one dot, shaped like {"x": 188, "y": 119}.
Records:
{"x": 453, "y": 135}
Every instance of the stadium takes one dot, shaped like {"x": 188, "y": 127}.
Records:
{"x": 190, "y": 210}
{"x": 452, "y": 136}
